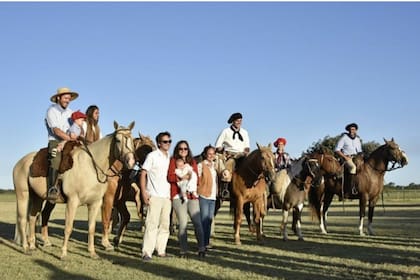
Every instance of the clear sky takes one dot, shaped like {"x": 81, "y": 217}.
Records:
{"x": 299, "y": 70}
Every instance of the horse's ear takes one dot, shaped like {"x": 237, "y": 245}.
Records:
{"x": 115, "y": 125}
{"x": 386, "y": 141}
{"x": 392, "y": 139}
{"x": 258, "y": 145}
{"x": 130, "y": 127}
{"x": 269, "y": 145}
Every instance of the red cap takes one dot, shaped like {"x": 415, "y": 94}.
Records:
{"x": 280, "y": 140}
{"x": 77, "y": 115}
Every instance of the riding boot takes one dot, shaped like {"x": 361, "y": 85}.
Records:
{"x": 352, "y": 188}
{"x": 52, "y": 188}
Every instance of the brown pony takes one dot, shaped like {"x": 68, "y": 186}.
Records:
{"x": 249, "y": 184}
{"x": 369, "y": 180}
{"x": 83, "y": 184}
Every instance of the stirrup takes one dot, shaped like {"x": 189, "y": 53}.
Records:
{"x": 53, "y": 193}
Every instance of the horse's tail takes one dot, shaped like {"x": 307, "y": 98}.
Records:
{"x": 315, "y": 202}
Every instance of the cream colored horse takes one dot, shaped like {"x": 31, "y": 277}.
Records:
{"x": 84, "y": 184}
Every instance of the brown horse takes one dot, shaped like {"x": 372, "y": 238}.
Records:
{"x": 289, "y": 191}
{"x": 249, "y": 184}
{"x": 369, "y": 180}
{"x": 84, "y": 184}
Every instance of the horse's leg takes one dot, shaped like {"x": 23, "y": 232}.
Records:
{"x": 22, "y": 205}
{"x": 93, "y": 210}
{"x": 107, "y": 207}
{"x": 71, "y": 207}
{"x": 247, "y": 213}
{"x": 45, "y": 215}
{"x": 238, "y": 221}
{"x": 35, "y": 210}
{"x": 362, "y": 213}
{"x": 218, "y": 204}
{"x": 325, "y": 204}
{"x": 125, "y": 219}
{"x": 283, "y": 227}
{"x": 259, "y": 213}
{"x": 297, "y": 214}
{"x": 370, "y": 218}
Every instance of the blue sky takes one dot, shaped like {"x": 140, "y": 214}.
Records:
{"x": 299, "y": 70}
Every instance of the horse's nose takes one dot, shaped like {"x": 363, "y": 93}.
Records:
{"x": 129, "y": 160}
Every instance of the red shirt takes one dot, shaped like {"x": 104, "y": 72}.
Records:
{"x": 173, "y": 179}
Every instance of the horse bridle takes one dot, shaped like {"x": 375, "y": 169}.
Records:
{"x": 97, "y": 167}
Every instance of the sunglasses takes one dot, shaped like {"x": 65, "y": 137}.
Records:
{"x": 166, "y": 141}
{"x": 183, "y": 149}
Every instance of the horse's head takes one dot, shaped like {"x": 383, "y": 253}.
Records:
{"x": 123, "y": 145}
{"x": 394, "y": 154}
{"x": 267, "y": 161}
{"x": 143, "y": 145}
{"x": 328, "y": 164}
{"x": 313, "y": 170}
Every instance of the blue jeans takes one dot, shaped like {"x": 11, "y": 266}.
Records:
{"x": 183, "y": 210}
{"x": 207, "y": 214}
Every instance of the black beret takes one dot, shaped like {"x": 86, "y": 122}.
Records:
{"x": 351, "y": 125}
{"x": 234, "y": 117}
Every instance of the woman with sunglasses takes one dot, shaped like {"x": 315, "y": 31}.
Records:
{"x": 189, "y": 207}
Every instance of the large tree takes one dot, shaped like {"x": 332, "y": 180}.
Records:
{"x": 328, "y": 143}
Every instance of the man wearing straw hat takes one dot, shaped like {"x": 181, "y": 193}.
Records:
{"x": 58, "y": 122}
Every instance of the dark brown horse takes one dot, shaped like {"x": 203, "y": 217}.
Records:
{"x": 249, "y": 182}
{"x": 289, "y": 191}
{"x": 369, "y": 180}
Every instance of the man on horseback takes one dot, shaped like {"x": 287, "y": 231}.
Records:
{"x": 233, "y": 141}
{"x": 57, "y": 121}
{"x": 348, "y": 146}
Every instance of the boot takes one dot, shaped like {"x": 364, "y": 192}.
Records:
{"x": 352, "y": 188}
{"x": 52, "y": 188}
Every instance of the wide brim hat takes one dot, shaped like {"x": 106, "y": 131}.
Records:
{"x": 350, "y": 125}
{"x": 234, "y": 117}
{"x": 62, "y": 91}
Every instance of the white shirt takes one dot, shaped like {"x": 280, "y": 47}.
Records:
{"x": 57, "y": 117}
{"x": 226, "y": 140}
{"x": 157, "y": 165}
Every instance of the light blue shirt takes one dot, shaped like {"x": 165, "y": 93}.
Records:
{"x": 57, "y": 117}
{"x": 349, "y": 146}
{"x": 75, "y": 129}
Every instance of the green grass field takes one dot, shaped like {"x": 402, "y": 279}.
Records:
{"x": 394, "y": 253}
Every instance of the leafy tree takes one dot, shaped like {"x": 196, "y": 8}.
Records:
{"x": 328, "y": 143}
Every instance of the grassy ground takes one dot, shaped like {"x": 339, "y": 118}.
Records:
{"x": 394, "y": 253}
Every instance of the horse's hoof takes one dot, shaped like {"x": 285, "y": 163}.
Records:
{"x": 27, "y": 252}
{"x": 94, "y": 256}
{"x": 238, "y": 243}
{"x": 63, "y": 257}
{"x": 285, "y": 239}
{"x": 109, "y": 248}
{"x": 301, "y": 239}
{"x": 47, "y": 243}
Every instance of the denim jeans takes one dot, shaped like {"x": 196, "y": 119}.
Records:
{"x": 183, "y": 210}
{"x": 207, "y": 214}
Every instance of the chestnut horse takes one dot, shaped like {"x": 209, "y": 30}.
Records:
{"x": 126, "y": 190}
{"x": 369, "y": 181}
{"x": 84, "y": 184}
{"x": 249, "y": 184}
{"x": 289, "y": 191}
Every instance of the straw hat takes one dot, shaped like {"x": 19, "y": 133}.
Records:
{"x": 62, "y": 91}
